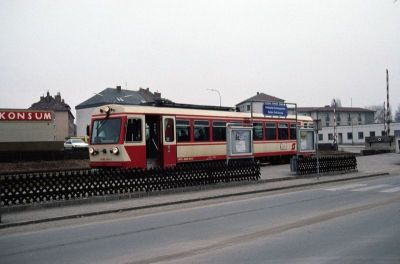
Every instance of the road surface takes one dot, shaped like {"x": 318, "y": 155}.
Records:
{"x": 349, "y": 222}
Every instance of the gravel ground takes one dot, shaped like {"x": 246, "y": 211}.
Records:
{"x": 43, "y": 165}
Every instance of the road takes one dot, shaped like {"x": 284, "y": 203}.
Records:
{"x": 349, "y": 222}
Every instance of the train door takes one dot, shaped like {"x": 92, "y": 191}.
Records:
{"x": 169, "y": 141}
{"x": 134, "y": 140}
{"x": 153, "y": 141}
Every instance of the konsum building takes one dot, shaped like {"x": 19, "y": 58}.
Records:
{"x": 18, "y": 127}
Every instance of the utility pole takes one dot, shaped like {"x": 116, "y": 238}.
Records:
{"x": 351, "y": 120}
{"x": 384, "y": 117}
{"x": 388, "y": 119}
{"x": 316, "y": 144}
{"x": 334, "y": 124}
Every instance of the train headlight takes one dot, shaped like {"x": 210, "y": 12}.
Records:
{"x": 114, "y": 150}
{"x": 92, "y": 151}
{"x": 107, "y": 110}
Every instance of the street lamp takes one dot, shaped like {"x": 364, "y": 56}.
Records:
{"x": 215, "y": 90}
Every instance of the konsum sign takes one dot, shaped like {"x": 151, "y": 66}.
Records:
{"x": 19, "y": 115}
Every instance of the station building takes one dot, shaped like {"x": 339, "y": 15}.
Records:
{"x": 257, "y": 102}
{"x": 353, "y": 124}
{"x": 345, "y": 116}
{"x": 356, "y": 134}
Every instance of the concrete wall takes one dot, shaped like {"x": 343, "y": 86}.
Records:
{"x": 27, "y": 131}
{"x": 381, "y": 143}
{"x": 58, "y": 129}
{"x": 63, "y": 126}
{"x": 13, "y": 147}
{"x": 61, "y": 121}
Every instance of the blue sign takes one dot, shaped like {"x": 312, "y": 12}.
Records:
{"x": 275, "y": 110}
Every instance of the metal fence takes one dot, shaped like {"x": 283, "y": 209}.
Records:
{"x": 327, "y": 164}
{"x": 29, "y": 188}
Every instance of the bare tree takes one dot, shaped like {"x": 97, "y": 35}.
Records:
{"x": 379, "y": 113}
{"x": 338, "y": 102}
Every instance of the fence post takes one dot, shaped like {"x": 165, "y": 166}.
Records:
{"x": 1, "y": 187}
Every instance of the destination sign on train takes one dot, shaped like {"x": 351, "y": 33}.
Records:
{"x": 275, "y": 110}
{"x": 25, "y": 115}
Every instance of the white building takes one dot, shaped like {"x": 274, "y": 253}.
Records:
{"x": 257, "y": 102}
{"x": 111, "y": 96}
{"x": 356, "y": 134}
{"x": 344, "y": 116}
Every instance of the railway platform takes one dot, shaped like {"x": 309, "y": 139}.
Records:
{"x": 273, "y": 178}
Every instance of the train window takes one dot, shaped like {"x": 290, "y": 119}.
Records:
{"x": 270, "y": 129}
{"x": 258, "y": 131}
{"x": 283, "y": 131}
{"x": 201, "y": 131}
{"x": 106, "y": 131}
{"x": 182, "y": 130}
{"x": 169, "y": 130}
{"x": 219, "y": 131}
{"x": 292, "y": 131}
{"x": 233, "y": 123}
{"x": 133, "y": 130}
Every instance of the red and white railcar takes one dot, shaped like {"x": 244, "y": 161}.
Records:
{"x": 149, "y": 136}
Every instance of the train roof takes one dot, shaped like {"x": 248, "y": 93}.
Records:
{"x": 118, "y": 109}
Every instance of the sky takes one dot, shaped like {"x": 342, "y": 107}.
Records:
{"x": 304, "y": 51}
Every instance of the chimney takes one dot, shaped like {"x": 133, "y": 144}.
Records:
{"x": 119, "y": 88}
{"x": 157, "y": 95}
{"x": 58, "y": 97}
{"x": 258, "y": 93}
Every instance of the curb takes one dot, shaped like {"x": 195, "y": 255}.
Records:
{"x": 7, "y": 225}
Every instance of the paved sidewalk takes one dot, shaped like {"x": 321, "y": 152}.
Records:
{"x": 272, "y": 178}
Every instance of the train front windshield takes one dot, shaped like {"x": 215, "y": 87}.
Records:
{"x": 106, "y": 131}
